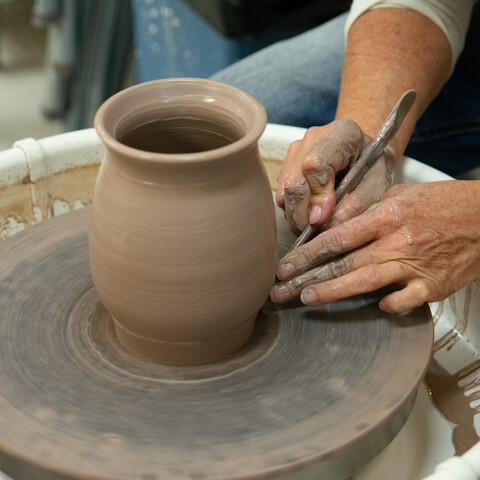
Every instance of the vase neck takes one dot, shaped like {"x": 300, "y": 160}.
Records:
{"x": 235, "y": 166}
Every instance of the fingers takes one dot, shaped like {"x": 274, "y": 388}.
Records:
{"x": 293, "y": 192}
{"x": 284, "y": 292}
{"x": 343, "y": 278}
{"x": 321, "y": 180}
{"x": 306, "y": 184}
{"x": 297, "y": 204}
{"x": 291, "y": 171}
{"x": 413, "y": 295}
{"x": 324, "y": 160}
{"x": 364, "y": 280}
{"x": 343, "y": 238}
{"x": 371, "y": 254}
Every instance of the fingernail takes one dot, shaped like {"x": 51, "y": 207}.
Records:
{"x": 308, "y": 296}
{"x": 315, "y": 214}
{"x": 285, "y": 271}
{"x": 334, "y": 223}
{"x": 279, "y": 294}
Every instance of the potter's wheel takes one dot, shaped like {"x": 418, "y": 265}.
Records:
{"x": 318, "y": 389}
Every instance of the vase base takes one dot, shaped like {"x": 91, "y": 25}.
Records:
{"x": 189, "y": 352}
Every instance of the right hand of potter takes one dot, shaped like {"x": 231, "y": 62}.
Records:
{"x": 312, "y": 166}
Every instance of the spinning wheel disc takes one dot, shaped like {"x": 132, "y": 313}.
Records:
{"x": 322, "y": 389}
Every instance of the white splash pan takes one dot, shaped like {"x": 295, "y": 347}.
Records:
{"x": 425, "y": 440}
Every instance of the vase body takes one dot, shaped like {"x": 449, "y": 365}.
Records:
{"x": 182, "y": 232}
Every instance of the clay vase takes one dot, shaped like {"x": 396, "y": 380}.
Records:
{"x": 182, "y": 231}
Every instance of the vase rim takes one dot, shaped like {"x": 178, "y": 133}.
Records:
{"x": 253, "y": 130}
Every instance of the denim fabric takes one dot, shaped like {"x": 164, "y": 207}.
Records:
{"x": 298, "y": 82}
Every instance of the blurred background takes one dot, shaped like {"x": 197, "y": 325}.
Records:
{"x": 60, "y": 59}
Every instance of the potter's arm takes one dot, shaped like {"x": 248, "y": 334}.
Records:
{"x": 404, "y": 239}
{"x": 389, "y": 51}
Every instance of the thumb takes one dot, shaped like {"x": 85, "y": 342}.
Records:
{"x": 324, "y": 160}
{"x": 322, "y": 186}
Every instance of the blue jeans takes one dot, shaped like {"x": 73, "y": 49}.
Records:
{"x": 298, "y": 82}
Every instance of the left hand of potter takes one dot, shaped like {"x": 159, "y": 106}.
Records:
{"x": 312, "y": 167}
{"x": 423, "y": 237}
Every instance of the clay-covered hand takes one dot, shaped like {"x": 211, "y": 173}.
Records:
{"x": 424, "y": 237}
{"x": 313, "y": 164}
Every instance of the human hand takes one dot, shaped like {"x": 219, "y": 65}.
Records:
{"x": 307, "y": 182}
{"x": 424, "y": 237}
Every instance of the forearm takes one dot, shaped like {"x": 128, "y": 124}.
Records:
{"x": 389, "y": 51}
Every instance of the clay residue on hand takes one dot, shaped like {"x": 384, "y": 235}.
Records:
{"x": 343, "y": 146}
{"x": 297, "y": 204}
{"x": 371, "y": 190}
{"x": 452, "y": 397}
{"x": 326, "y": 272}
